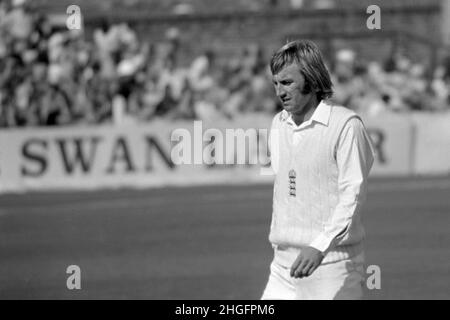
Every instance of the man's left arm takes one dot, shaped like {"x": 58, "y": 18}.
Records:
{"x": 354, "y": 157}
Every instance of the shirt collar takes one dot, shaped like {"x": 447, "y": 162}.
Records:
{"x": 321, "y": 114}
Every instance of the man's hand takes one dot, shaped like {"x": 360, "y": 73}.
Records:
{"x": 307, "y": 261}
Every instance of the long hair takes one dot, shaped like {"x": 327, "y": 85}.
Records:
{"x": 307, "y": 56}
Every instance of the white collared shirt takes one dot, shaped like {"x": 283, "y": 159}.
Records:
{"x": 321, "y": 115}
{"x": 354, "y": 159}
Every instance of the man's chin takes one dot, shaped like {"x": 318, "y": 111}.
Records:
{"x": 287, "y": 107}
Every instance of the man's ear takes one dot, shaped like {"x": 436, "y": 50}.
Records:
{"x": 306, "y": 88}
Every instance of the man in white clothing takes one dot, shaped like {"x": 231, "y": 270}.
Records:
{"x": 321, "y": 155}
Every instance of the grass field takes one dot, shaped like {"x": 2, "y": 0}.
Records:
{"x": 205, "y": 242}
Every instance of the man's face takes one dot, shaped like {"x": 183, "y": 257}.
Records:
{"x": 289, "y": 84}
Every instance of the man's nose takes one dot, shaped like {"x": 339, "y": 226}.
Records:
{"x": 280, "y": 91}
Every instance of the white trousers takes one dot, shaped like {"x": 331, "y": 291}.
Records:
{"x": 341, "y": 280}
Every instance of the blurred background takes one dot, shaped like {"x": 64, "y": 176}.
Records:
{"x": 90, "y": 97}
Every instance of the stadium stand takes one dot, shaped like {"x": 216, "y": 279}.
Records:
{"x": 53, "y": 76}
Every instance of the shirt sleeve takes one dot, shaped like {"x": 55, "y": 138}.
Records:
{"x": 354, "y": 157}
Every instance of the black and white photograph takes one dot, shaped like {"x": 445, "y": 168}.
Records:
{"x": 236, "y": 150}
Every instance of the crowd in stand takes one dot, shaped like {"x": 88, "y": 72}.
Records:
{"x": 398, "y": 85}
{"x": 58, "y": 77}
